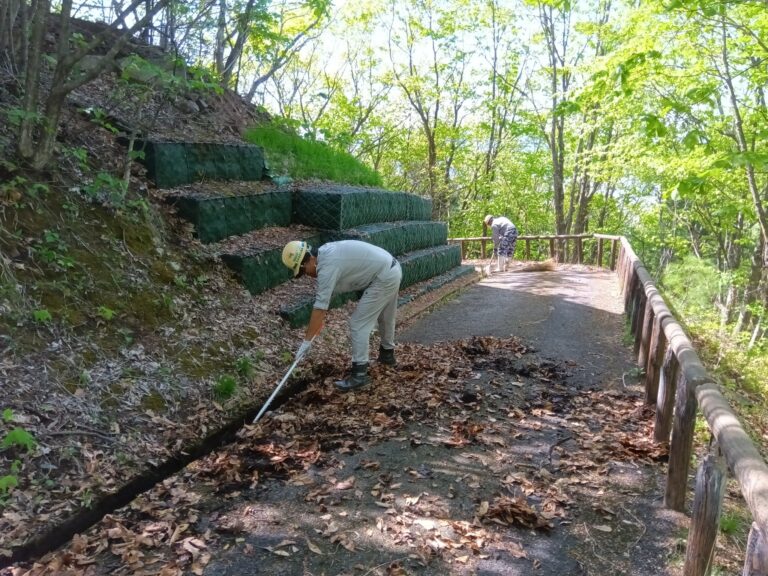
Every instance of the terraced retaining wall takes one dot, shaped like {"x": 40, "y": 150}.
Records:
{"x": 216, "y": 218}
{"x": 342, "y": 208}
{"x": 172, "y": 164}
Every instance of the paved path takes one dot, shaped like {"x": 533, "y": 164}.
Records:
{"x": 573, "y": 314}
{"x": 574, "y": 317}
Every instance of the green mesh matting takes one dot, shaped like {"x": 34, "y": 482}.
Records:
{"x": 172, "y": 164}
{"x": 260, "y": 271}
{"x": 417, "y": 266}
{"x": 399, "y": 237}
{"x": 218, "y": 218}
{"x": 341, "y": 208}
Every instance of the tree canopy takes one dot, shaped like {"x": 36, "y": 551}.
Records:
{"x": 647, "y": 120}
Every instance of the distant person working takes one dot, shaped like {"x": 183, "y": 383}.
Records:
{"x": 504, "y": 236}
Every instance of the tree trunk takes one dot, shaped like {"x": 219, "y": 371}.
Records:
{"x": 242, "y": 30}
{"x": 12, "y": 11}
{"x": 29, "y": 122}
{"x": 556, "y": 137}
{"x": 37, "y": 135}
{"x": 221, "y": 31}
{"x": 757, "y": 200}
{"x": 752, "y": 289}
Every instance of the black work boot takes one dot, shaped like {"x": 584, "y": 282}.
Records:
{"x": 387, "y": 356}
{"x": 357, "y": 378}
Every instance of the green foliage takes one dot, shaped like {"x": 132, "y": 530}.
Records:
{"x": 17, "y": 115}
{"x": 225, "y": 387}
{"x": 18, "y": 190}
{"x": 19, "y": 437}
{"x": 692, "y": 285}
{"x": 290, "y": 155}
{"x": 51, "y": 249}
{"x": 731, "y": 524}
{"x": 7, "y": 415}
{"x": 42, "y": 316}
{"x": 86, "y": 498}
{"x": 245, "y": 367}
{"x": 8, "y": 483}
{"x": 106, "y": 313}
{"x": 107, "y": 188}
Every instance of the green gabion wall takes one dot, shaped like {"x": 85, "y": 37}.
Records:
{"x": 423, "y": 264}
{"x": 417, "y": 266}
{"x": 400, "y": 237}
{"x": 172, "y": 164}
{"x": 260, "y": 271}
{"x": 216, "y": 218}
{"x": 341, "y": 208}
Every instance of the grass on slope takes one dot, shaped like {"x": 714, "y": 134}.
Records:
{"x": 295, "y": 157}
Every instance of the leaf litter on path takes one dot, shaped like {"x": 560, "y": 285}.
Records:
{"x": 452, "y": 462}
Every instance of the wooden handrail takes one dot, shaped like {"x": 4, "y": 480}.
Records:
{"x": 695, "y": 387}
{"x": 557, "y": 248}
{"x": 534, "y": 237}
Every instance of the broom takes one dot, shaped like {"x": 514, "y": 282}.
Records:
{"x": 544, "y": 266}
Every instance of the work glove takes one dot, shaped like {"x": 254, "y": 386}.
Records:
{"x": 303, "y": 349}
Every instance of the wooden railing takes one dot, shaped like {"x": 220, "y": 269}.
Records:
{"x": 562, "y": 248}
{"x": 679, "y": 385}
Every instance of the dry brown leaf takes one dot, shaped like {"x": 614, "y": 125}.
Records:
{"x": 285, "y": 543}
{"x": 345, "y": 484}
{"x": 314, "y": 547}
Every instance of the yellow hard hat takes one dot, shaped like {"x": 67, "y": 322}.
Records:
{"x": 293, "y": 255}
{"x": 488, "y": 219}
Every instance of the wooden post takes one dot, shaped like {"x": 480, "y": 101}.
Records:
{"x": 527, "y": 250}
{"x": 482, "y": 249}
{"x": 638, "y": 308}
{"x": 644, "y": 331}
{"x": 665, "y": 400}
{"x": 630, "y": 279}
{"x": 623, "y": 265}
{"x": 621, "y": 275}
{"x": 707, "y": 503}
{"x": 551, "y": 247}
{"x": 599, "y": 252}
{"x": 756, "y": 557}
{"x": 579, "y": 248}
{"x": 614, "y": 242}
{"x": 681, "y": 445}
{"x": 655, "y": 359}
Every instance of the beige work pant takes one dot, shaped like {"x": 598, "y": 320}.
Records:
{"x": 378, "y": 304}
